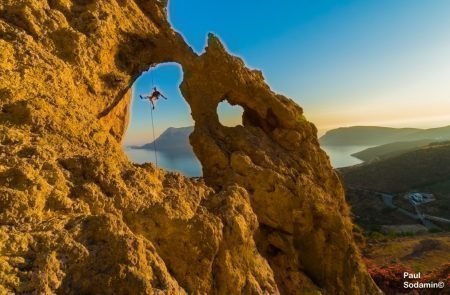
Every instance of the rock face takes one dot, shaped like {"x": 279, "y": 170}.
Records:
{"x": 76, "y": 217}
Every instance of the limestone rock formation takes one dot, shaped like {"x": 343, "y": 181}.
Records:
{"x": 76, "y": 217}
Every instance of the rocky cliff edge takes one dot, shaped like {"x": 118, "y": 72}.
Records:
{"x": 76, "y": 217}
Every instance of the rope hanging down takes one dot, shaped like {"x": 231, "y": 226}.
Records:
{"x": 152, "y": 76}
{"x": 154, "y": 140}
{"x": 153, "y": 124}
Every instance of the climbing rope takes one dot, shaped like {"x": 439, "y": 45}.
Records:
{"x": 154, "y": 139}
{"x": 153, "y": 123}
{"x": 151, "y": 75}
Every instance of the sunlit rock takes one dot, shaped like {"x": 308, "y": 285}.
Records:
{"x": 77, "y": 217}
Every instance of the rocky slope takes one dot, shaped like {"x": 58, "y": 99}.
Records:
{"x": 76, "y": 217}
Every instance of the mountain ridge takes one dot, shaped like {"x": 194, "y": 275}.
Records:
{"x": 391, "y": 149}
{"x": 408, "y": 171}
{"x": 173, "y": 138}
{"x": 375, "y": 135}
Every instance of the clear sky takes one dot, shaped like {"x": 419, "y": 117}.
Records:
{"x": 372, "y": 62}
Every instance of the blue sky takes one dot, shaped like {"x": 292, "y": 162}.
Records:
{"x": 373, "y": 62}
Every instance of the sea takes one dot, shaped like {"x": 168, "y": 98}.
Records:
{"x": 183, "y": 162}
{"x": 187, "y": 164}
{"x": 341, "y": 155}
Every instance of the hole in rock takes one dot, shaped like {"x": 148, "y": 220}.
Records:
{"x": 161, "y": 135}
{"x": 229, "y": 115}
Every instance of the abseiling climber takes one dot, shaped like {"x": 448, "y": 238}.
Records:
{"x": 154, "y": 96}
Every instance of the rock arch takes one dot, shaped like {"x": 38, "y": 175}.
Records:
{"x": 269, "y": 217}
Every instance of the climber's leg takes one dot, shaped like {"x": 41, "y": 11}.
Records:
{"x": 153, "y": 103}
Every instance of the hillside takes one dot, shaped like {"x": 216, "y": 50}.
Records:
{"x": 425, "y": 169}
{"x": 370, "y": 213}
{"x": 441, "y": 134}
{"x": 412, "y": 170}
{"x": 174, "y": 139}
{"x": 364, "y": 135}
{"x": 371, "y": 135}
{"x": 389, "y": 258}
{"x": 77, "y": 217}
{"x": 390, "y": 150}
{"x": 420, "y": 253}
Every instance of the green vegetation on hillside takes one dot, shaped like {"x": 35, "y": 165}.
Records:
{"x": 371, "y": 213}
{"x": 425, "y": 169}
{"x": 364, "y": 135}
{"x": 372, "y": 135}
{"x": 390, "y": 150}
{"x": 387, "y": 260}
{"x": 412, "y": 170}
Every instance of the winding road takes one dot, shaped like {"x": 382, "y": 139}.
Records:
{"x": 387, "y": 200}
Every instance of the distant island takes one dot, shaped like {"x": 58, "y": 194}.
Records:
{"x": 373, "y": 135}
{"x": 172, "y": 139}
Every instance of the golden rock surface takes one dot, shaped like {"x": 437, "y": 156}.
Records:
{"x": 76, "y": 217}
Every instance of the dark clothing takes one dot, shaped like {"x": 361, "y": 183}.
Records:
{"x": 154, "y": 97}
{"x": 156, "y": 94}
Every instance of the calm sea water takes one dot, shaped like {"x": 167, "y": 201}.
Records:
{"x": 188, "y": 164}
{"x": 184, "y": 162}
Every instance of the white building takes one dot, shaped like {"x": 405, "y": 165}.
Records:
{"x": 419, "y": 198}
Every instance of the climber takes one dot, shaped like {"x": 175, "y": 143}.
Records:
{"x": 153, "y": 97}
